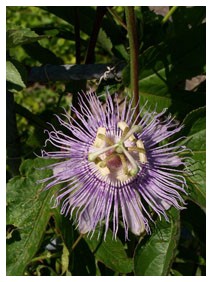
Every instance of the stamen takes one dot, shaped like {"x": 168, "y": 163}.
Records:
{"x": 133, "y": 130}
{"x": 97, "y": 160}
{"x": 124, "y": 163}
{"x": 94, "y": 155}
{"x": 99, "y": 142}
{"x": 124, "y": 127}
{"x": 105, "y": 138}
{"x": 103, "y": 170}
{"x": 118, "y": 154}
{"x": 142, "y": 155}
{"x": 135, "y": 168}
{"x": 140, "y": 150}
{"x": 108, "y": 158}
{"x": 126, "y": 130}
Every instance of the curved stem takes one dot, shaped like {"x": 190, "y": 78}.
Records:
{"x": 76, "y": 242}
{"x": 116, "y": 17}
{"x": 133, "y": 43}
{"x": 168, "y": 15}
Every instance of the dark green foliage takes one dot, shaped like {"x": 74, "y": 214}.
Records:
{"x": 28, "y": 213}
{"x": 154, "y": 256}
{"x": 171, "y": 75}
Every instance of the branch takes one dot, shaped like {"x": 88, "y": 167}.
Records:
{"x": 133, "y": 43}
{"x": 32, "y": 118}
{"x": 76, "y": 72}
{"x": 100, "y": 12}
{"x": 77, "y": 35}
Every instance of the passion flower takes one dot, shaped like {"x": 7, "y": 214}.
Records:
{"x": 115, "y": 168}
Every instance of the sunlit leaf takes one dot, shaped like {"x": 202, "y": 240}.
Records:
{"x": 154, "y": 256}
{"x": 15, "y": 75}
{"x": 28, "y": 212}
{"x": 16, "y": 37}
{"x": 104, "y": 41}
{"x": 110, "y": 252}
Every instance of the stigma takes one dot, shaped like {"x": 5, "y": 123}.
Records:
{"x": 118, "y": 157}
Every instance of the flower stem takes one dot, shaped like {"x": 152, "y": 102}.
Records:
{"x": 76, "y": 242}
{"x": 133, "y": 43}
{"x": 168, "y": 15}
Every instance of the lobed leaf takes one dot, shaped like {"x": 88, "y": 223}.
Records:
{"x": 28, "y": 212}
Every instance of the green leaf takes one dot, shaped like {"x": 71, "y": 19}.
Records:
{"x": 174, "y": 272}
{"x": 82, "y": 259}
{"x": 64, "y": 228}
{"x": 104, "y": 41}
{"x": 165, "y": 67}
{"x": 15, "y": 75}
{"x": 184, "y": 47}
{"x": 121, "y": 52}
{"x": 28, "y": 212}
{"x": 154, "y": 89}
{"x": 187, "y": 17}
{"x": 65, "y": 259}
{"x": 41, "y": 54}
{"x": 195, "y": 130}
{"x": 158, "y": 83}
{"x": 154, "y": 257}
{"x": 16, "y": 37}
{"x": 86, "y": 16}
{"x": 110, "y": 252}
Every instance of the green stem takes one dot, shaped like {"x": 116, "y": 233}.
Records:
{"x": 76, "y": 242}
{"x": 116, "y": 17}
{"x": 169, "y": 14}
{"x": 45, "y": 256}
{"x": 133, "y": 43}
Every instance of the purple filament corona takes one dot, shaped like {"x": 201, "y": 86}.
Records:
{"x": 115, "y": 168}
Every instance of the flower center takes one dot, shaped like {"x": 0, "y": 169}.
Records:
{"x": 118, "y": 157}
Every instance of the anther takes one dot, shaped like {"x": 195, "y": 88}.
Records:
{"x": 94, "y": 155}
{"x": 108, "y": 158}
{"x": 126, "y": 130}
{"x": 99, "y": 142}
{"x": 124, "y": 127}
{"x": 142, "y": 154}
{"x": 136, "y": 149}
{"x": 133, "y": 130}
{"x": 135, "y": 168}
{"x": 124, "y": 163}
{"x": 105, "y": 138}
